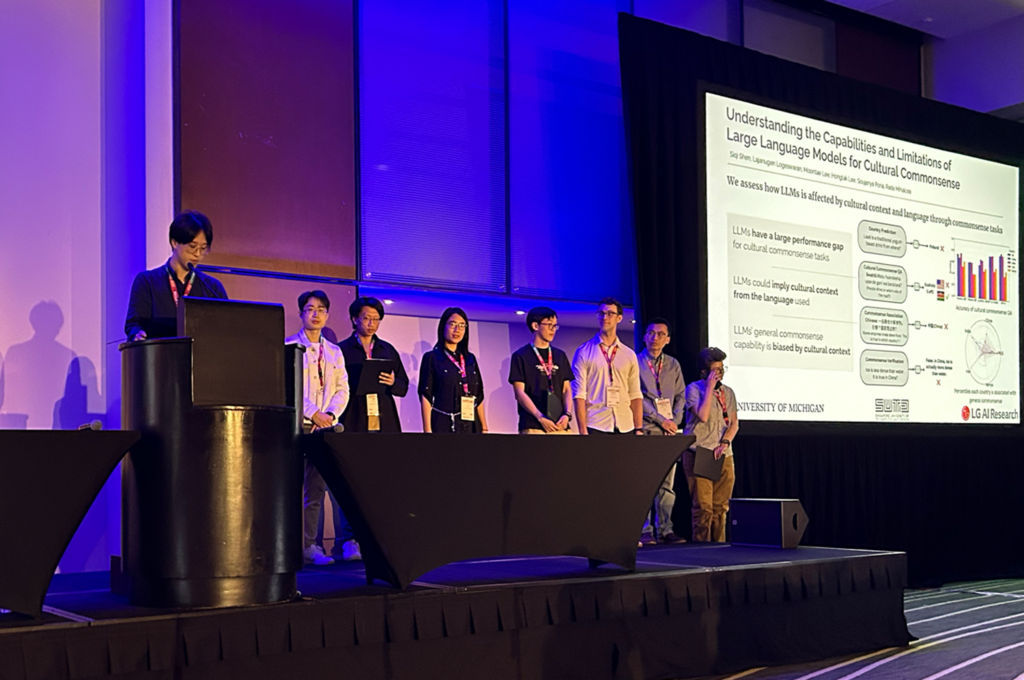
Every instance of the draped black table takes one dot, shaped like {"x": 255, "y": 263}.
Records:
{"x": 417, "y": 501}
{"x": 48, "y": 481}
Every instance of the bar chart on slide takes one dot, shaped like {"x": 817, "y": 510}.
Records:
{"x": 984, "y": 277}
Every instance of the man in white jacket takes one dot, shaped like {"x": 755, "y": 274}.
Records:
{"x": 325, "y": 388}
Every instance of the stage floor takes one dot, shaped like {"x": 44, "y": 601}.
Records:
{"x": 688, "y": 610}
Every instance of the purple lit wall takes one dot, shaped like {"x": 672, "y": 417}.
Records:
{"x": 432, "y": 143}
{"x": 720, "y": 19}
{"x": 73, "y": 208}
{"x": 570, "y": 227}
{"x": 492, "y": 146}
{"x": 979, "y": 70}
{"x": 50, "y": 207}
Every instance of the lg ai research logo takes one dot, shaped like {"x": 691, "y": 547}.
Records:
{"x": 892, "y": 409}
{"x": 987, "y": 413}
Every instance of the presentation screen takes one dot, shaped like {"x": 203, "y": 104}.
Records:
{"x": 855, "y": 277}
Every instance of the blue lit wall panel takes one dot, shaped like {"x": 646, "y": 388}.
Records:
{"x": 432, "y": 143}
{"x": 571, "y": 233}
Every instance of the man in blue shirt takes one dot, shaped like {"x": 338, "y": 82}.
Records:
{"x": 664, "y": 390}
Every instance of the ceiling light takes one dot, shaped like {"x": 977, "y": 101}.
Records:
{"x": 389, "y": 302}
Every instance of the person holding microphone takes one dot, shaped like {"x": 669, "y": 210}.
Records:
{"x": 711, "y": 418}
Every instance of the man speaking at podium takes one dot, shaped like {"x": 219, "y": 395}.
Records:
{"x": 152, "y": 308}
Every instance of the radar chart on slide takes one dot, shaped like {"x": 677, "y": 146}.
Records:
{"x": 983, "y": 352}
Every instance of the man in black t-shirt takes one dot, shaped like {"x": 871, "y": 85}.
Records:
{"x": 541, "y": 376}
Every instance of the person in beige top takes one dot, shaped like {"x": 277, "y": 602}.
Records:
{"x": 711, "y": 417}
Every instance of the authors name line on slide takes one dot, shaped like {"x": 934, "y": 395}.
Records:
{"x": 865, "y": 191}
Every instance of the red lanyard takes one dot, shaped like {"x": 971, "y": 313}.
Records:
{"x": 461, "y": 365}
{"x": 321, "y": 364}
{"x": 174, "y": 288}
{"x": 657, "y": 373}
{"x": 615, "y": 350}
{"x": 721, "y": 402}
{"x": 369, "y": 352}
{"x": 548, "y": 366}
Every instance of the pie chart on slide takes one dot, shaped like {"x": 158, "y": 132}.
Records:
{"x": 983, "y": 352}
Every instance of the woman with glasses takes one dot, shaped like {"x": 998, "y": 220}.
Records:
{"x": 450, "y": 388}
{"x": 153, "y": 305}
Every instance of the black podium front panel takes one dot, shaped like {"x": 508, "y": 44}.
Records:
{"x": 48, "y": 481}
{"x": 212, "y": 493}
{"x": 419, "y": 501}
{"x": 227, "y": 335}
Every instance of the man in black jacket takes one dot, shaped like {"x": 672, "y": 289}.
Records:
{"x": 152, "y": 308}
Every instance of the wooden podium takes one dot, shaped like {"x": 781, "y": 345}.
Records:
{"x": 212, "y": 493}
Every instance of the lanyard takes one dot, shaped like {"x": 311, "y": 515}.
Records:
{"x": 657, "y": 373}
{"x": 548, "y": 366}
{"x": 615, "y": 350}
{"x": 321, "y": 364}
{"x": 369, "y": 352}
{"x": 461, "y": 365}
{"x": 174, "y": 288}
{"x": 721, "y": 402}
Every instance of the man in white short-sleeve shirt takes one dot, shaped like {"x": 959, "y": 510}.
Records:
{"x": 606, "y": 386}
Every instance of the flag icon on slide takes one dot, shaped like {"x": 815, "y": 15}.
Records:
{"x": 940, "y": 289}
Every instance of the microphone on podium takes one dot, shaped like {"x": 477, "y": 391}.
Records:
{"x": 94, "y": 425}
{"x": 193, "y": 272}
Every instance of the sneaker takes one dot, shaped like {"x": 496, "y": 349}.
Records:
{"x": 314, "y": 555}
{"x": 350, "y": 551}
{"x": 647, "y": 539}
{"x": 671, "y": 537}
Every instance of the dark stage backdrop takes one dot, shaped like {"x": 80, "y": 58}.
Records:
{"x": 950, "y": 496}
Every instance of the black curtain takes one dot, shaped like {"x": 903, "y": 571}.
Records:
{"x": 948, "y": 495}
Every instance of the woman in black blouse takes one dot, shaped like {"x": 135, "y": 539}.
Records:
{"x": 451, "y": 389}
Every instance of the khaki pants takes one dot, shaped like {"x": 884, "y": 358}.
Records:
{"x": 710, "y": 500}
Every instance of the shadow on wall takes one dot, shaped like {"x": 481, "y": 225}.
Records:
{"x": 35, "y": 372}
{"x": 504, "y": 388}
{"x": 88, "y": 550}
{"x": 81, "y": 388}
{"x": 330, "y": 335}
{"x": 411, "y": 416}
